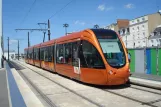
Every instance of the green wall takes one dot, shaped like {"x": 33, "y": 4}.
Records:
{"x": 153, "y": 61}
{"x": 132, "y": 63}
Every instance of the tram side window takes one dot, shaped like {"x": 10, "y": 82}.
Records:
{"x": 91, "y": 57}
{"x": 35, "y": 50}
{"x": 60, "y": 54}
{"x": 53, "y": 51}
{"x": 32, "y": 54}
{"x": 37, "y": 54}
{"x": 50, "y": 53}
{"x": 68, "y": 53}
{"x": 75, "y": 49}
{"x": 46, "y": 53}
{"x": 26, "y": 54}
{"x": 42, "y": 54}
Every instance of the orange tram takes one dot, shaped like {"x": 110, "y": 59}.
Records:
{"x": 94, "y": 56}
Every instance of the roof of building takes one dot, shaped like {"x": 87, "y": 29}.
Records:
{"x": 145, "y": 15}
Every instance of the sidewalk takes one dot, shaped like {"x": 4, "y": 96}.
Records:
{"x": 152, "y": 81}
{"x": 147, "y": 76}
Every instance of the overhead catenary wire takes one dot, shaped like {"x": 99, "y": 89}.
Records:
{"x": 60, "y": 9}
{"x": 28, "y": 12}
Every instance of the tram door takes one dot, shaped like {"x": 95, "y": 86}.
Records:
{"x": 76, "y": 59}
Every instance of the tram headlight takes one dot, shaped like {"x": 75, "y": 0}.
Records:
{"x": 110, "y": 72}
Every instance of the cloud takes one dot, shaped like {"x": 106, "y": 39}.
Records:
{"x": 104, "y": 8}
{"x": 12, "y": 41}
{"x": 80, "y": 22}
{"x": 109, "y": 8}
{"x": 129, "y": 6}
{"x": 101, "y": 7}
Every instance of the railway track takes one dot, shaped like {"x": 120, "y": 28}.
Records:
{"x": 45, "y": 97}
{"x": 139, "y": 88}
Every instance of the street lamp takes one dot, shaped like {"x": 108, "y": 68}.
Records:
{"x": 66, "y": 25}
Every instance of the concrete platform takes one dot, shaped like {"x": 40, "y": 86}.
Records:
{"x": 152, "y": 81}
{"x": 14, "y": 92}
{"x": 4, "y": 92}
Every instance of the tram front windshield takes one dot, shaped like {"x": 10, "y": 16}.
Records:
{"x": 111, "y": 47}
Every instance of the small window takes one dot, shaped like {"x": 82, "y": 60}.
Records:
{"x": 143, "y": 26}
{"x": 128, "y": 30}
{"x": 143, "y": 18}
{"x": 152, "y": 41}
{"x": 138, "y": 20}
{"x": 138, "y": 27}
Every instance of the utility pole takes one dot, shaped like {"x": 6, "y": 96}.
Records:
{"x": 28, "y": 39}
{"x": 44, "y": 37}
{"x": 48, "y": 29}
{"x": 65, "y": 26}
{"x": 43, "y": 31}
{"x": 8, "y": 48}
{"x": 18, "y": 49}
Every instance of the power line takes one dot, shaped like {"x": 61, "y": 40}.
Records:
{"x": 28, "y": 11}
{"x": 61, "y": 9}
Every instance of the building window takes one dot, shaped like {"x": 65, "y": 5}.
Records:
{"x": 138, "y": 20}
{"x": 160, "y": 41}
{"x": 128, "y": 30}
{"x": 152, "y": 41}
{"x": 138, "y": 28}
{"x": 143, "y": 18}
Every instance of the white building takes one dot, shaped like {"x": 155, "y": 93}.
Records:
{"x": 139, "y": 30}
{"x": 11, "y": 54}
{"x": 112, "y": 26}
{"x": 155, "y": 38}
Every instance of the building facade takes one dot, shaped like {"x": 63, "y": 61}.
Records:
{"x": 155, "y": 37}
{"x": 137, "y": 34}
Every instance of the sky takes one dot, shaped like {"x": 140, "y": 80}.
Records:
{"x": 79, "y": 14}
